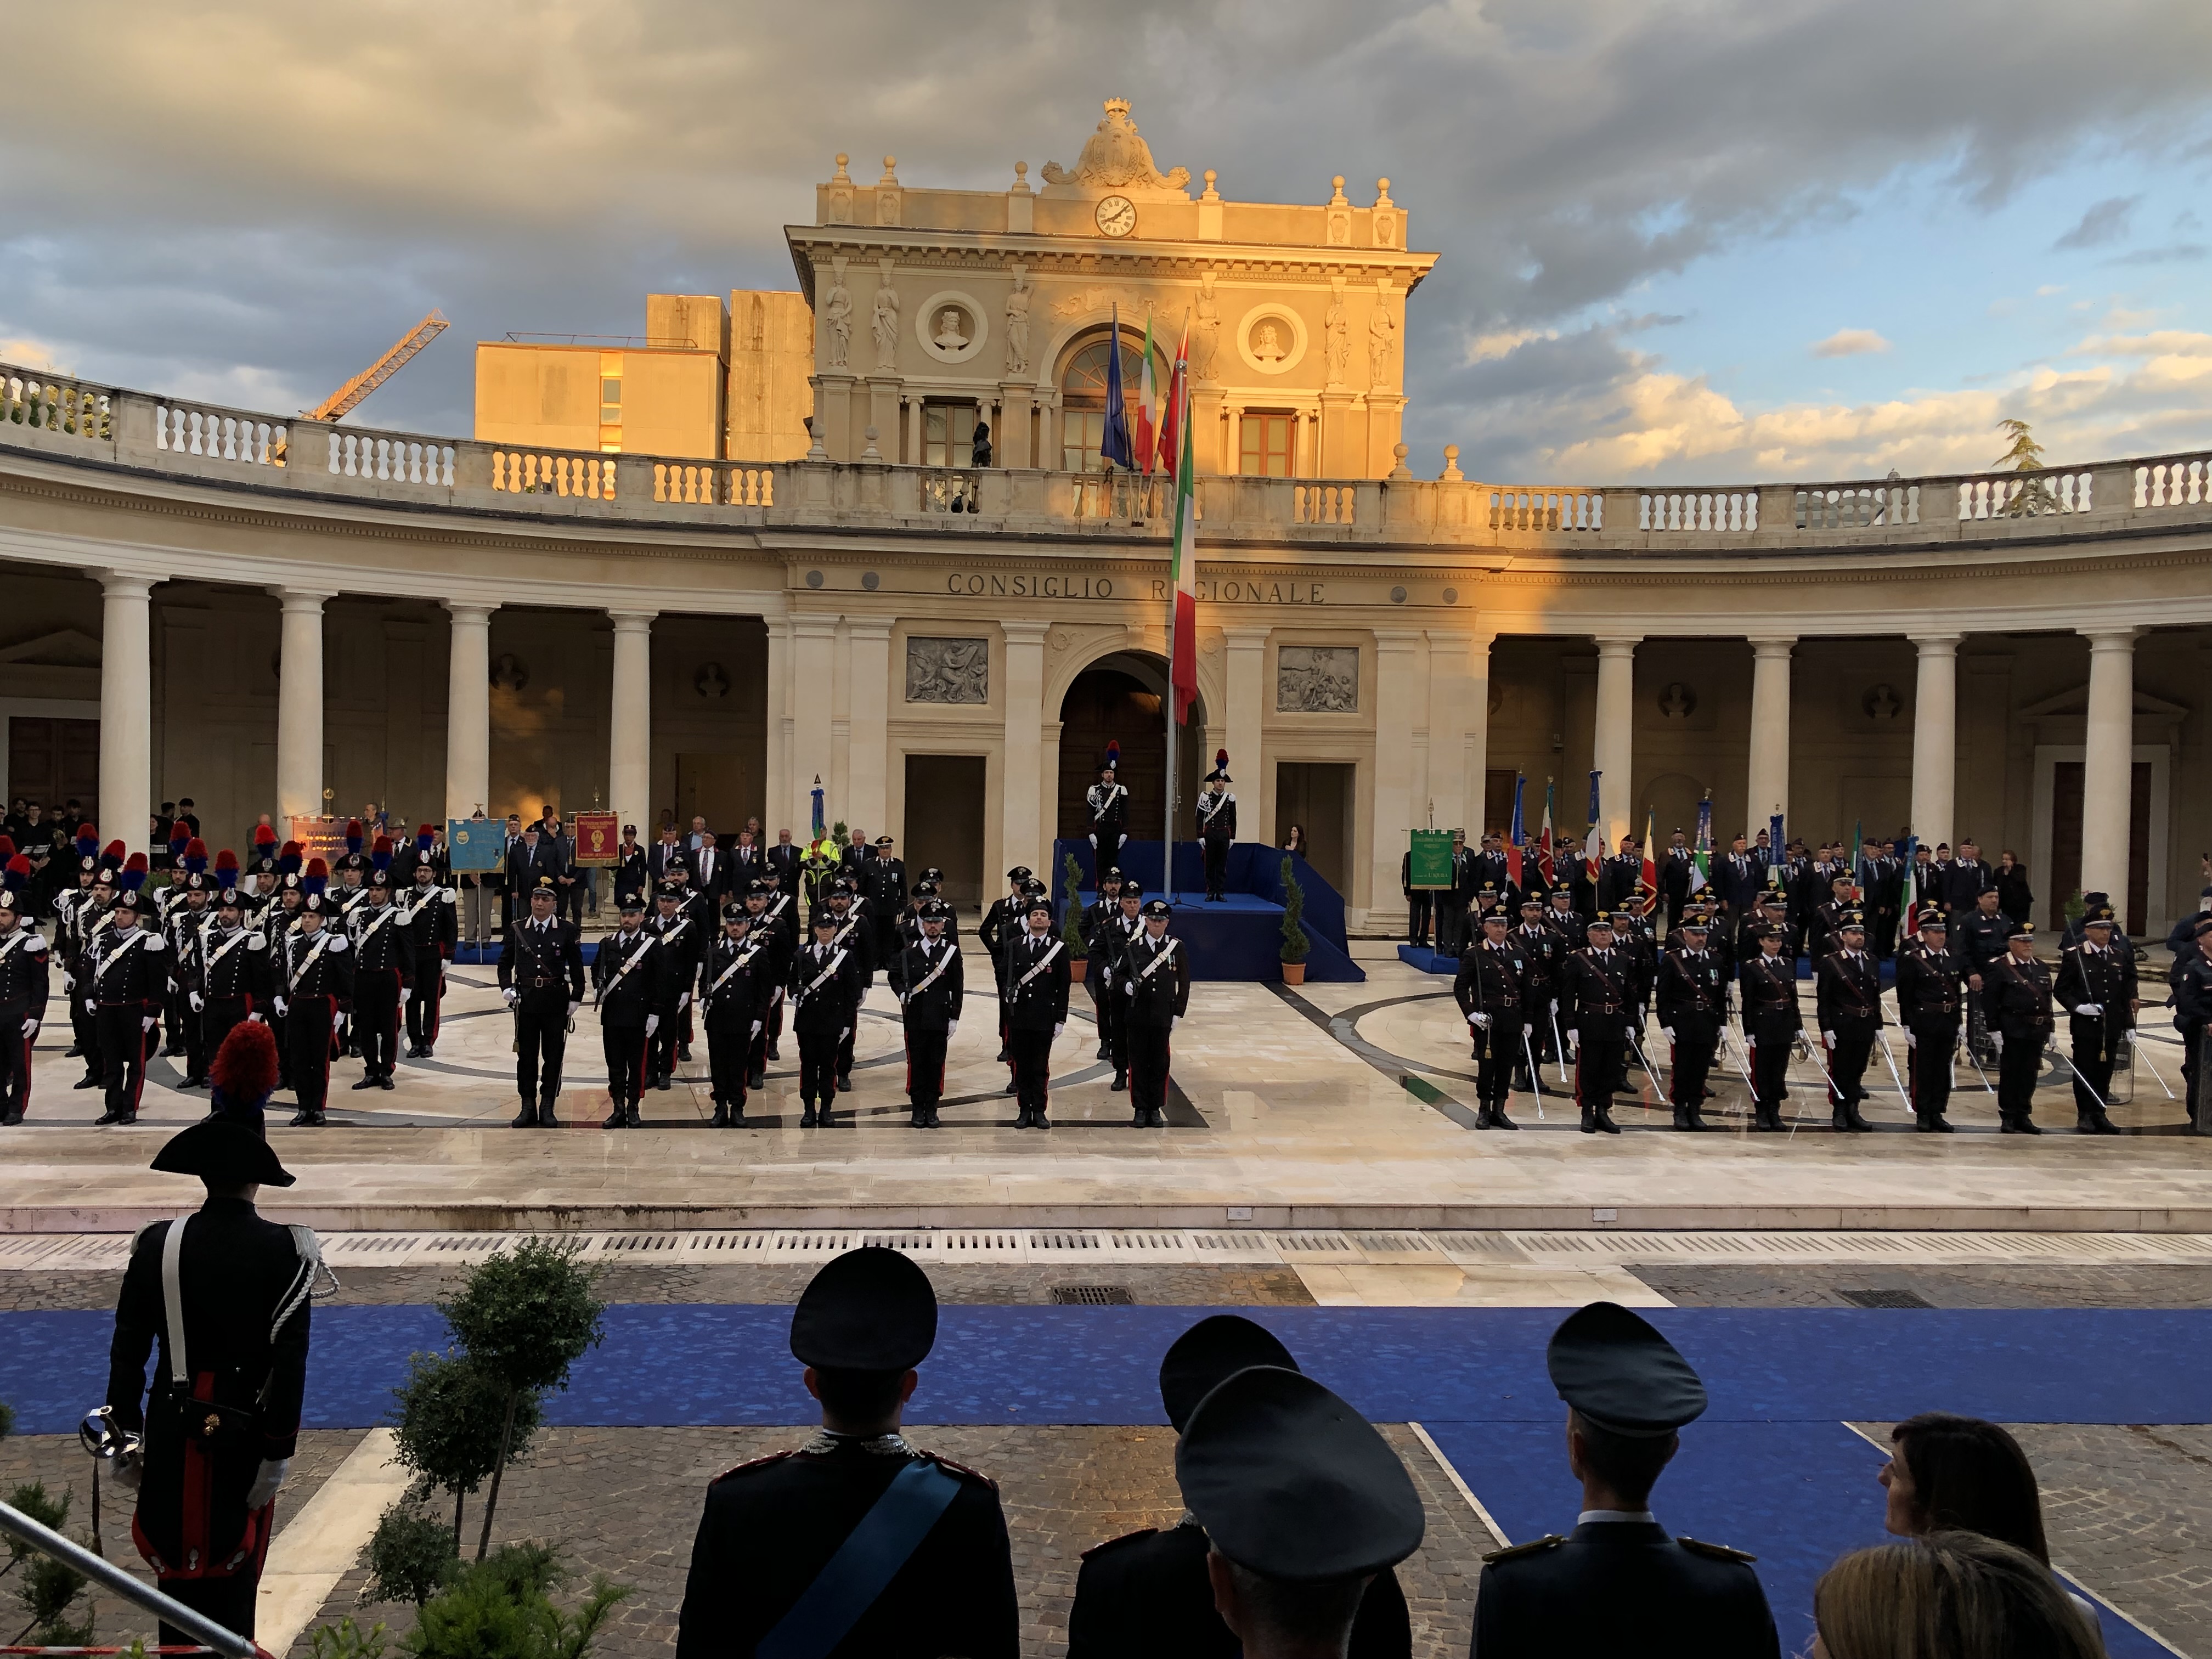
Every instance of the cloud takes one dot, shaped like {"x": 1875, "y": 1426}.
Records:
{"x": 2103, "y": 221}
{"x": 2171, "y": 254}
{"x": 1850, "y": 343}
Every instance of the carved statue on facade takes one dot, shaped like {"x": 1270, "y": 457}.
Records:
{"x": 1116, "y": 158}
{"x": 1339, "y": 341}
{"x": 1017, "y": 324}
{"x": 837, "y": 325}
{"x": 949, "y": 336}
{"x": 1382, "y": 335}
{"x": 1206, "y": 336}
{"x": 948, "y": 671}
{"x": 1317, "y": 679}
{"x": 886, "y": 324}
{"x": 1268, "y": 344}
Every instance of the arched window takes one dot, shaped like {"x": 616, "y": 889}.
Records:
{"x": 1083, "y": 395}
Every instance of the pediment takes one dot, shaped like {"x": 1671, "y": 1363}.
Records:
{"x": 2075, "y": 700}
{"x": 66, "y": 648}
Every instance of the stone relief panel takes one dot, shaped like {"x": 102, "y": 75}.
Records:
{"x": 1317, "y": 679}
{"x": 948, "y": 671}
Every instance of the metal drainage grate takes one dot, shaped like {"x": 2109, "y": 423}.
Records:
{"x": 1884, "y": 1299}
{"x": 1092, "y": 1296}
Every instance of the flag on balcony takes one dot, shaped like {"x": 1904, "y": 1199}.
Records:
{"x": 1647, "y": 878}
{"x": 1170, "y": 439}
{"x": 1147, "y": 418}
{"x": 1183, "y": 621}
{"x": 1701, "y": 855}
{"x": 1908, "y": 892}
{"x": 1115, "y": 447}
{"x": 1593, "y": 842}
{"x": 1544, "y": 840}
{"x": 1517, "y": 836}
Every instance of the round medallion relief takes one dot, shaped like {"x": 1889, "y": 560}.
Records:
{"x": 952, "y": 325}
{"x": 1271, "y": 338}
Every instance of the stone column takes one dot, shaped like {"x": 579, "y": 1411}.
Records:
{"x": 867, "y": 744}
{"x": 300, "y": 705}
{"x": 1022, "y": 839}
{"x": 629, "y": 726}
{"x": 1934, "y": 737}
{"x": 126, "y": 708}
{"x": 1768, "y": 790}
{"x": 2108, "y": 758}
{"x": 1612, "y": 748}
{"x": 813, "y": 666}
{"x": 1245, "y": 663}
{"x": 1458, "y": 728}
{"x": 775, "y": 793}
{"x": 468, "y": 711}
{"x": 1397, "y": 712}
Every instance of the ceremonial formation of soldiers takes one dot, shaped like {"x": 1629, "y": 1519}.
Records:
{"x": 1577, "y": 970}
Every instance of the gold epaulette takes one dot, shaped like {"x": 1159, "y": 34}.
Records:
{"x": 1549, "y": 1540}
{"x": 1714, "y": 1552}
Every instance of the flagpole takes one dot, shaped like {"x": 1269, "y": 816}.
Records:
{"x": 1168, "y": 708}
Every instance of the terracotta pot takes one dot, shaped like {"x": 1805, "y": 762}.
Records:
{"x": 1294, "y": 973}
{"x": 1077, "y": 966}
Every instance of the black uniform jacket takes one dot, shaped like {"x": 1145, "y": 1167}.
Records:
{"x": 1217, "y": 816}
{"x": 379, "y": 944}
{"x": 1689, "y": 987}
{"x": 1597, "y": 993}
{"x": 628, "y": 993}
{"x": 2020, "y": 994}
{"x": 430, "y": 922}
{"x": 2106, "y": 977}
{"x": 1621, "y": 1587}
{"x": 821, "y": 1006}
{"x": 1147, "y": 1594}
{"x": 307, "y": 971}
{"x": 1770, "y": 998}
{"x": 1492, "y": 980}
{"x": 1849, "y": 993}
{"x": 122, "y": 966}
{"x": 23, "y": 976}
{"x": 737, "y": 978}
{"x": 1154, "y": 996}
{"x": 771, "y": 1526}
{"x": 1036, "y": 1001}
{"x": 929, "y": 977}
{"x": 537, "y": 958}
{"x": 234, "y": 963}
{"x": 1931, "y": 987}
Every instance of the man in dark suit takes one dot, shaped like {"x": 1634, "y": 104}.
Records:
{"x": 530, "y": 857}
{"x": 1737, "y": 878}
{"x": 783, "y": 864}
{"x": 710, "y": 873}
{"x": 1617, "y": 881}
{"x": 746, "y": 861}
{"x": 665, "y": 858}
{"x": 631, "y": 875}
{"x": 771, "y": 1570}
{"x": 1618, "y": 1584}
{"x": 1967, "y": 879}
{"x": 1147, "y": 1591}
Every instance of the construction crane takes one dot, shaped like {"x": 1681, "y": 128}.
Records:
{"x": 350, "y": 394}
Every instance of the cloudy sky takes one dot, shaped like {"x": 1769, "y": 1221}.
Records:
{"x": 1687, "y": 240}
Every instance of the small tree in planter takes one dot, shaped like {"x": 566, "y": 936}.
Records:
{"x": 1296, "y": 942}
{"x": 455, "y": 1425}
{"x": 1071, "y": 920}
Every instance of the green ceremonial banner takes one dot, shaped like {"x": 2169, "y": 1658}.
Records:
{"x": 1431, "y": 865}
{"x": 475, "y": 844}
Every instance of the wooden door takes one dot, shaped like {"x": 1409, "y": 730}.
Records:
{"x": 2063, "y": 877}
{"x": 50, "y": 761}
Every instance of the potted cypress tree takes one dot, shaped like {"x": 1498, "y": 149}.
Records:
{"x": 1071, "y": 920}
{"x": 1295, "y": 944}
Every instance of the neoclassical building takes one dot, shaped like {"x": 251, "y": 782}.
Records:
{"x": 277, "y": 615}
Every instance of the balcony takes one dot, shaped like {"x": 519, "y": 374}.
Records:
{"x": 55, "y": 415}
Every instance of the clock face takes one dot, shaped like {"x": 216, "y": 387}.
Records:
{"x": 1117, "y": 215}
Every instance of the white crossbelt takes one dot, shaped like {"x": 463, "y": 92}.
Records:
{"x": 322, "y": 942}
{"x": 823, "y": 978}
{"x": 1044, "y": 963}
{"x": 736, "y": 963}
{"x": 118, "y": 953}
{"x": 1158, "y": 962}
{"x": 931, "y": 978}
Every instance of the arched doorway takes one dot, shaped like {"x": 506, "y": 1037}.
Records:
{"x": 1117, "y": 699}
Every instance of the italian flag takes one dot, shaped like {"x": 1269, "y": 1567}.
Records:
{"x": 1151, "y": 441}
{"x": 1182, "y": 619}
{"x": 1647, "y": 881}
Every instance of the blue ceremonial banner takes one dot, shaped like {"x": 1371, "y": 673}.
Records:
{"x": 475, "y": 844}
{"x": 1115, "y": 447}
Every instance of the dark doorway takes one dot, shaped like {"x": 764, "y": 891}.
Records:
{"x": 1318, "y": 794}
{"x": 1497, "y": 807}
{"x": 50, "y": 761}
{"x": 2065, "y": 873}
{"x": 944, "y": 824}
{"x": 1117, "y": 700}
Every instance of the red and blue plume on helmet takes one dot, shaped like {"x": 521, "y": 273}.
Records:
{"x": 18, "y": 875}
{"x": 111, "y": 857}
{"x": 134, "y": 872}
{"x": 7, "y": 848}
{"x": 226, "y": 868}
{"x": 195, "y": 856}
{"x": 88, "y": 840}
{"x": 1114, "y": 755}
{"x": 264, "y": 841}
{"x": 353, "y": 835}
{"x": 380, "y": 854}
{"x": 425, "y": 838}
{"x": 179, "y": 833}
{"x": 288, "y": 862}
{"x": 316, "y": 878}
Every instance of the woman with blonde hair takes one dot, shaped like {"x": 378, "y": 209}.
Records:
{"x": 1946, "y": 1595}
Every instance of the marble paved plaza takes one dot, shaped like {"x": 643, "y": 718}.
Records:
{"x": 1327, "y": 1106}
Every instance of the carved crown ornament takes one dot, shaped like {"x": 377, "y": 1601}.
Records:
{"x": 1116, "y": 157}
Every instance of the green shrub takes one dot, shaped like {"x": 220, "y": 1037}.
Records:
{"x": 502, "y": 1607}
{"x": 410, "y": 1556}
{"x": 452, "y": 1422}
{"x": 1071, "y": 920}
{"x": 1296, "y": 943}
{"x": 47, "y": 1589}
{"x": 346, "y": 1640}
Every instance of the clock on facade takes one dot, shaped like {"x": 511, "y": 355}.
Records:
{"x": 1117, "y": 215}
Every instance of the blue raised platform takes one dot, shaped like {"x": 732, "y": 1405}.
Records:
{"x": 1241, "y": 938}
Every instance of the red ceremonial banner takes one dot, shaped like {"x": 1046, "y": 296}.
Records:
{"x": 599, "y": 840}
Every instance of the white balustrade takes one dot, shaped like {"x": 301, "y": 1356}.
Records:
{"x": 48, "y": 404}
{"x": 2177, "y": 481}
{"x": 1712, "y": 510}
{"x": 538, "y": 472}
{"x": 2022, "y": 494}
{"x": 219, "y": 435}
{"x": 394, "y": 459}
{"x": 1547, "y": 509}
{"x": 1858, "y": 507}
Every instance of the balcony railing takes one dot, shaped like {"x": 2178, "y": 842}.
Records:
{"x": 56, "y": 414}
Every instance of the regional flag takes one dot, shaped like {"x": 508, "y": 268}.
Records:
{"x": 1517, "y": 836}
{"x": 1701, "y": 856}
{"x": 1593, "y": 842}
{"x": 1182, "y": 619}
{"x": 1544, "y": 864}
{"x": 1647, "y": 878}
{"x": 1114, "y": 444}
{"x": 1146, "y": 419}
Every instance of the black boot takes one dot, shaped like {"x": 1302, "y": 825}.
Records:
{"x": 1498, "y": 1120}
{"x": 934, "y": 1122}
{"x": 684, "y": 1051}
{"x": 845, "y": 1082}
{"x": 368, "y": 1082}
{"x": 1682, "y": 1118}
{"x": 545, "y": 1118}
{"x": 661, "y": 1082}
{"x": 2096, "y": 1123}
{"x": 1120, "y": 1082}
{"x": 810, "y": 1118}
{"x": 1858, "y": 1123}
{"x": 917, "y": 1118}
{"x": 1768, "y": 1118}
{"x": 631, "y": 1119}
{"x": 1605, "y": 1122}
{"x": 721, "y": 1118}
{"x": 526, "y": 1118}
{"x": 756, "y": 1080}
{"x": 614, "y": 1119}
{"x": 1588, "y": 1125}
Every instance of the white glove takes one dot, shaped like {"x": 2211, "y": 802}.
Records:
{"x": 756, "y": 1028}
{"x": 1667, "y": 1031}
{"x": 266, "y": 1479}
{"x": 1996, "y": 1041}
{"x": 69, "y": 982}
{"x": 652, "y": 1023}
{"x": 572, "y": 1009}
{"x": 1480, "y": 1021}
{"x": 951, "y": 1029}
{"x": 405, "y": 996}
{"x": 844, "y": 1031}
{"x": 682, "y": 1002}
{"x": 198, "y": 1003}
{"x": 2091, "y": 1008}
{"x": 1574, "y": 1041}
{"x": 255, "y": 1019}
{"x": 1058, "y": 1029}
{"x": 282, "y": 1009}
{"x": 1629, "y": 1031}
{"x": 1828, "y": 1039}
{"x": 1911, "y": 1041}
{"x": 30, "y": 1029}
{"x": 511, "y": 996}
{"x": 1173, "y": 1020}
{"x": 150, "y": 1021}
{"x": 92, "y": 1008}
{"x": 129, "y": 1470}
